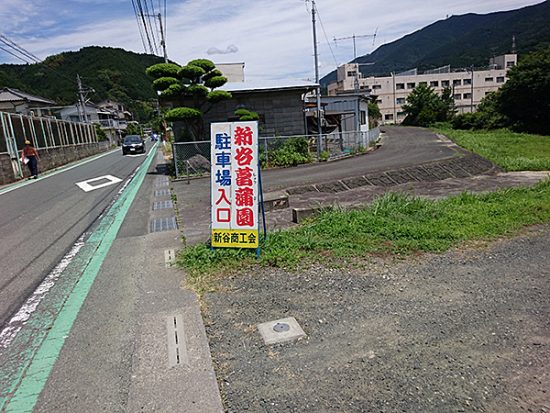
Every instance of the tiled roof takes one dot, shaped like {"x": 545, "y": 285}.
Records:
{"x": 14, "y": 95}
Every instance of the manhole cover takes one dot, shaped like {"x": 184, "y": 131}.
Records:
{"x": 280, "y": 327}
{"x": 280, "y": 331}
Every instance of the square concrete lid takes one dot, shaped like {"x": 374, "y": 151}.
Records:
{"x": 281, "y": 331}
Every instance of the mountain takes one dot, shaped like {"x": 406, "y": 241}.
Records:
{"x": 461, "y": 41}
{"x": 113, "y": 73}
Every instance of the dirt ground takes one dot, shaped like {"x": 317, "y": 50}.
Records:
{"x": 464, "y": 331}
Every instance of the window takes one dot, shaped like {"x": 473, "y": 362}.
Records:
{"x": 457, "y": 82}
{"x": 488, "y": 79}
{"x": 434, "y": 83}
{"x": 377, "y": 86}
{"x": 400, "y": 101}
{"x": 401, "y": 114}
{"x": 510, "y": 64}
{"x": 456, "y": 96}
{"x": 500, "y": 79}
{"x": 467, "y": 96}
{"x": 445, "y": 83}
{"x": 378, "y": 100}
{"x": 423, "y": 83}
{"x": 400, "y": 86}
{"x": 351, "y": 73}
{"x": 411, "y": 85}
{"x": 388, "y": 116}
{"x": 363, "y": 117}
{"x": 467, "y": 82}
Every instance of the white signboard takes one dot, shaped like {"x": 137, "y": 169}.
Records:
{"x": 234, "y": 184}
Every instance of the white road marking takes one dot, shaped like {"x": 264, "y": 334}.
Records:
{"x": 20, "y": 318}
{"x": 87, "y": 186}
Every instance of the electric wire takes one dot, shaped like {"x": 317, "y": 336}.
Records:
{"x": 18, "y": 49}
{"x": 147, "y": 14}
{"x": 14, "y": 55}
{"x": 139, "y": 26}
{"x": 326, "y": 37}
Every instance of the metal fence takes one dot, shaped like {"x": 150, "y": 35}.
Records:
{"x": 193, "y": 158}
{"x": 43, "y": 132}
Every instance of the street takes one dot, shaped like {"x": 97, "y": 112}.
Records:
{"x": 39, "y": 223}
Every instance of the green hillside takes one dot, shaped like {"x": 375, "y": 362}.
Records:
{"x": 461, "y": 41}
{"x": 113, "y": 73}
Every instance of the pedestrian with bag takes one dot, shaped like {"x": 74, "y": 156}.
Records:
{"x": 29, "y": 156}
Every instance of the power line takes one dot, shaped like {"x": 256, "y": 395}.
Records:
{"x": 18, "y": 49}
{"x": 14, "y": 55}
{"x": 326, "y": 38}
{"x": 139, "y": 25}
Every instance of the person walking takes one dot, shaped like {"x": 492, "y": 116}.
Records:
{"x": 29, "y": 155}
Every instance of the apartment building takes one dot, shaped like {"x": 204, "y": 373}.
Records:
{"x": 468, "y": 85}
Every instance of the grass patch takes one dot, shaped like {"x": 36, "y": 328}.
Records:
{"x": 393, "y": 224}
{"x": 510, "y": 150}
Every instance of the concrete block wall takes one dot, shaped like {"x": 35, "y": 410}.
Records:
{"x": 50, "y": 158}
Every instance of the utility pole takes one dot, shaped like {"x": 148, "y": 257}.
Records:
{"x": 82, "y": 112}
{"x": 318, "y": 91}
{"x": 163, "y": 40}
{"x": 82, "y": 97}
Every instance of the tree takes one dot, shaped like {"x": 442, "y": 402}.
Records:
{"x": 525, "y": 97}
{"x": 374, "y": 114}
{"x": 425, "y": 107}
{"x": 190, "y": 89}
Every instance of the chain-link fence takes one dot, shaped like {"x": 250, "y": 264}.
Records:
{"x": 193, "y": 158}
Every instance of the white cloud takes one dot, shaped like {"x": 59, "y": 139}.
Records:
{"x": 229, "y": 49}
{"x": 274, "y": 37}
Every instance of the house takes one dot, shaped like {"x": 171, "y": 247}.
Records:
{"x": 16, "y": 101}
{"x": 111, "y": 116}
{"x": 280, "y": 106}
{"x": 344, "y": 113}
{"x": 468, "y": 85}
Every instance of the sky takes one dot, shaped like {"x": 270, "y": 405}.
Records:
{"x": 273, "y": 38}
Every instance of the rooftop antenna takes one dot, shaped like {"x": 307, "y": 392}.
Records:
{"x": 357, "y": 37}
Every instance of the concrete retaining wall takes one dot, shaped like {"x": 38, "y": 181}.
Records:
{"x": 51, "y": 158}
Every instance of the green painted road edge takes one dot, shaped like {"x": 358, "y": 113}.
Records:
{"x": 34, "y": 378}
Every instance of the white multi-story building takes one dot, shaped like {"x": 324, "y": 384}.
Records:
{"x": 468, "y": 86}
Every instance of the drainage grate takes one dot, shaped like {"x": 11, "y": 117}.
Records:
{"x": 163, "y": 224}
{"x": 162, "y": 205}
{"x": 162, "y": 182}
{"x": 177, "y": 350}
{"x": 162, "y": 192}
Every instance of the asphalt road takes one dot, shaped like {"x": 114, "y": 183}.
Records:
{"x": 402, "y": 147}
{"x": 39, "y": 223}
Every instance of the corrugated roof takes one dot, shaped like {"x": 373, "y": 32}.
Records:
{"x": 11, "y": 95}
{"x": 268, "y": 85}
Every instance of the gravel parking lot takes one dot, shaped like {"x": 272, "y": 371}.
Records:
{"x": 468, "y": 330}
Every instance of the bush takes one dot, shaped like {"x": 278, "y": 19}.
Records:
{"x": 292, "y": 152}
{"x": 162, "y": 70}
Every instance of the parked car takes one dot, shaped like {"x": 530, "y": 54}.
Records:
{"x": 133, "y": 144}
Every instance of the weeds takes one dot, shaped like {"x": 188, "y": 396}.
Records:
{"x": 393, "y": 224}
